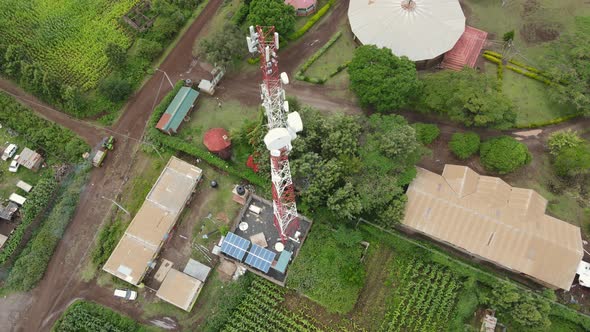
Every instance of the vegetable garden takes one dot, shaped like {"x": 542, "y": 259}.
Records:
{"x": 261, "y": 311}
{"x": 424, "y": 297}
{"x": 88, "y": 316}
{"x": 67, "y": 38}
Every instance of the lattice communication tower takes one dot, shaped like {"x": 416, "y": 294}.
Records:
{"x": 283, "y": 128}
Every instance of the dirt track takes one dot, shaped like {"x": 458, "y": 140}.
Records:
{"x": 60, "y": 285}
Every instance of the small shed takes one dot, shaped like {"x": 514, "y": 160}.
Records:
{"x": 283, "y": 261}
{"x": 217, "y": 141}
{"x": 177, "y": 111}
{"x": 30, "y": 159}
{"x": 8, "y": 211}
{"x": 16, "y": 198}
{"x": 3, "y": 239}
{"x": 197, "y": 270}
{"x": 24, "y": 186}
{"x": 180, "y": 289}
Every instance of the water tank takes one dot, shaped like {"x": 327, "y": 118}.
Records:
{"x": 240, "y": 190}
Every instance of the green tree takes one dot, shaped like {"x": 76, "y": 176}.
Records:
{"x": 394, "y": 213}
{"x": 508, "y": 36}
{"x": 426, "y": 133}
{"x": 345, "y": 202}
{"x": 469, "y": 97}
{"x": 225, "y": 47}
{"x": 572, "y": 161}
{"x": 381, "y": 79}
{"x": 569, "y": 64}
{"x": 116, "y": 54}
{"x": 272, "y": 12}
{"x": 316, "y": 178}
{"x": 563, "y": 139}
{"x": 115, "y": 88}
{"x": 148, "y": 49}
{"x": 524, "y": 309}
{"x": 340, "y": 137}
{"x": 393, "y": 138}
{"x": 464, "y": 145}
{"x": 504, "y": 154}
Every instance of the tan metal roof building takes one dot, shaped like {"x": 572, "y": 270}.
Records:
{"x": 180, "y": 289}
{"x": 153, "y": 222}
{"x": 488, "y": 218}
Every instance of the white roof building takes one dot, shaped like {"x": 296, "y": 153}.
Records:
{"x": 418, "y": 29}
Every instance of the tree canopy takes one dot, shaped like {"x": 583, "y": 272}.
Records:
{"x": 381, "y": 79}
{"x": 569, "y": 64}
{"x": 468, "y": 97}
{"x": 504, "y": 154}
{"x": 272, "y": 12}
{"x": 464, "y": 145}
{"x": 225, "y": 47}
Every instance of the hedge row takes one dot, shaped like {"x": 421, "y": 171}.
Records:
{"x": 31, "y": 264}
{"x": 36, "y": 202}
{"x": 550, "y": 122}
{"x": 312, "y": 21}
{"x": 178, "y": 144}
{"x": 527, "y": 71}
{"x": 300, "y": 75}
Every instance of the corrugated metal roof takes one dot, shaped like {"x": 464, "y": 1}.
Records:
{"x": 154, "y": 220}
{"x": 29, "y": 158}
{"x": 487, "y": 217}
{"x": 178, "y": 109}
{"x": 179, "y": 289}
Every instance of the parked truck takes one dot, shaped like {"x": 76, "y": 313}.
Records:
{"x": 99, "y": 158}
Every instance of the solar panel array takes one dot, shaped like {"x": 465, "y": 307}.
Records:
{"x": 260, "y": 258}
{"x": 235, "y": 246}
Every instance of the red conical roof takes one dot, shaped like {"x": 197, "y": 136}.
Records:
{"x": 216, "y": 139}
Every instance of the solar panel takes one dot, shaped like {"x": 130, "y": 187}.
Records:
{"x": 235, "y": 246}
{"x": 260, "y": 258}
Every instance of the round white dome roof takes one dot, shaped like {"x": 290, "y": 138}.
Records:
{"x": 418, "y": 29}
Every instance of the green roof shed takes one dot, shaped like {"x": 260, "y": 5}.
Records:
{"x": 178, "y": 109}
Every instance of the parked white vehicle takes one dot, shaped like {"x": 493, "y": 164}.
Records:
{"x": 9, "y": 152}
{"x": 126, "y": 294}
{"x": 14, "y": 165}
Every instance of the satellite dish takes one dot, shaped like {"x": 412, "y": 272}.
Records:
{"x": 284, "y": 78}
{"x": 294, "y": 122}
{"x": 277, "y": 138}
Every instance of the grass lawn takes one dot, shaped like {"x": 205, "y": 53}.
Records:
{"x": 207, "y": 114}
{"x": 536, "y": 22}
{"x": 340, "y": 53}
{"x": 530, "y": 98}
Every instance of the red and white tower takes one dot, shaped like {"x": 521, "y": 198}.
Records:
{"x": 283, "y": 128}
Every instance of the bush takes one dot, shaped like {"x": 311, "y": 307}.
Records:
{"x": 88, "y": 316}
{"x": 563, "y": 139}
{"x": 572, "y": 161}
{"x": 464, "y": 145}
{"x": 504, "y": 154}
{"x": 36, "y": 202}
{"x": 115, "y": 88}
{"x": 426, "y": 133}
{"x": 31, "y": 264}
{"x": 108, "y": 238}
{"x": 312, "y": 21}
{"x": 54, "y": 139}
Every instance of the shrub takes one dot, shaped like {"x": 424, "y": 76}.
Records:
{"x": 148, "y": 49}
{"x": 464, "y": 145}
{"x": 426, "y": 133}
{"x": 115, "y": 88}
{"x": 504, "y": 154}
{"x": 563, "y": 139}
{"x": 572, "y": 161}
{"x": 312, "y": 21}
{"x": 107, "y": 240}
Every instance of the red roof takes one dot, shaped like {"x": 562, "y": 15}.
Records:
{"x": 217, "y": 139}
{"x": 467, "y": 49}
{"x": 163, "y": 121}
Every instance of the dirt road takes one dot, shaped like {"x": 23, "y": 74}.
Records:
{"x": 91, "y": 134}
{"x": 60, "y": 284}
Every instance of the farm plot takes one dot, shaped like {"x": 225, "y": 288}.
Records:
{"x": 67, "y": 38}
{"x": 424, "y": 298}
{"x": 261, "y": 310}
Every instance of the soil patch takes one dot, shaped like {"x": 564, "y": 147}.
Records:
{"x": 530, "y": 7}
{"x": 540, "y": 32}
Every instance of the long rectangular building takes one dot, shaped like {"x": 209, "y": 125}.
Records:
{"x": 154, "y": 221}
{"x": 486, "y": 217}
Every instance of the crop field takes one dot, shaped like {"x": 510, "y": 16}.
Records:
{"x": 261, "y": 310}
{"x": 424, "y": 298}
{"x": 67, "y": 38}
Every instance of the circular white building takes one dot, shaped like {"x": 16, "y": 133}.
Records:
{"x": 422, "y": 30}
